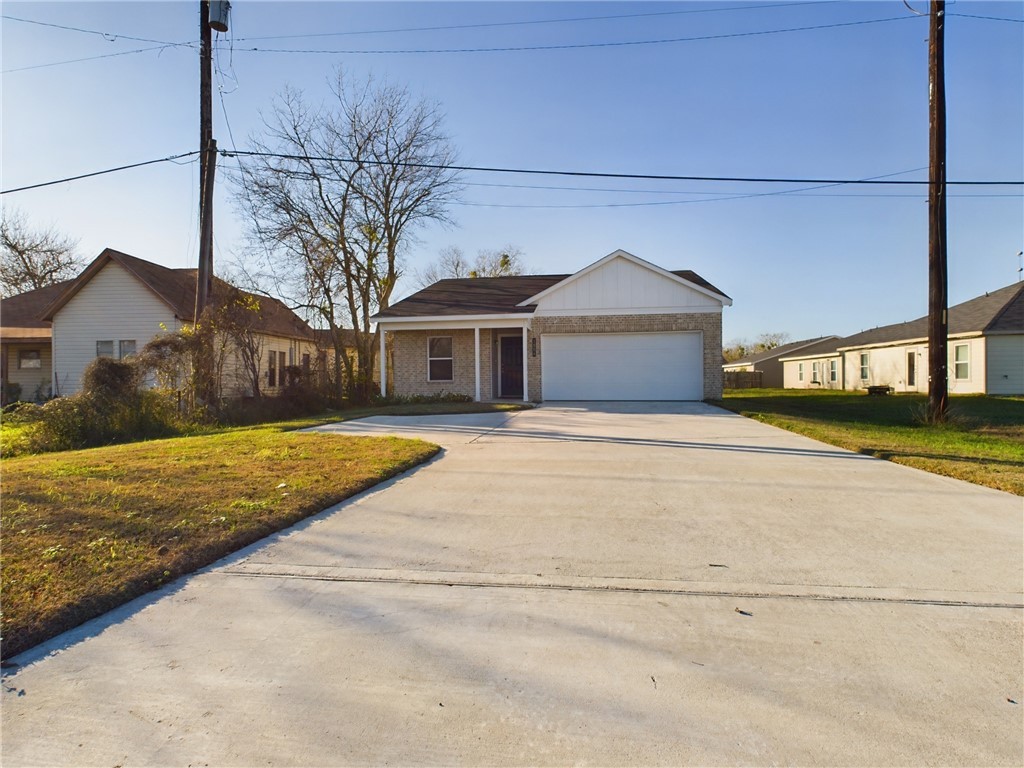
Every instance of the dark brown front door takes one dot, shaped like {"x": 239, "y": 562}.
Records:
{"x": 511, "y": 369}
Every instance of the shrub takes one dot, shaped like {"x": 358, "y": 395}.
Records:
{"x": 111, "y": 408}
{"x": 441, "y": 397}
{"x": 11, "y": 393}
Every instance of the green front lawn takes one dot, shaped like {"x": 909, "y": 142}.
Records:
{"x": 983, "y": 442}
{"x": 85, "y": 531}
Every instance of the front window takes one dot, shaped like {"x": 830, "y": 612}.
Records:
{"x": 799, "y": 371}
{"x": 126, "y": 347}
{"x": 962, "y": 361}
{"x": 440, "y": 364}
{"x": 30, "y": 358}
{"x": 833, "y": 371}
{"x": 815, "y": 373}
{"x": 104, "y": 349}
{"x": 863, "y": 366}
{"x": 272, "y": 371}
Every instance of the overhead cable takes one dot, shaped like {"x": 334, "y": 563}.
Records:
{"x": 528, "y": 22}
{"x": 169, "y": 159}
{"x": 569, "y": 46}
{"x": 605, "y": 175}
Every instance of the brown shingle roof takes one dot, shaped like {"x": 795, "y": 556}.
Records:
{"x": 792, "y": 348}
{"x": 177, "y": 289}
{"x": 999, "y": 311}
{"x": 489, "y": 295}
{"x": 21, "y": 316}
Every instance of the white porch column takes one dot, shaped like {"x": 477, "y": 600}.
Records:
{"x": 383, "y": 362}
{"x": 526, "y": 355}
{"x": 476, "y": 358}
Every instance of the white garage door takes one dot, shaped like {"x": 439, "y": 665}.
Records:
{"x": 622, "y": 366}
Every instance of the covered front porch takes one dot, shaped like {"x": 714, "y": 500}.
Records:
{"x": 483, "y": 358}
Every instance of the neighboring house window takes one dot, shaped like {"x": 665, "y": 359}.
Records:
{"x": 272, "y": 373}
{"x": 799, "y": 371}
{"x": 815, "y": 373}
{"x": 863, "y": 366}
{"x": 104, "y": 349}
{"x": 282, "y": 362}
{"x": 29, "y": 358}
{"x": 305, "y": 364}
{"x": 440, "y": 365}
{"x": 126, "y": 347}
{"x": 962, "y": 361}
{"x": 833, "y": 370}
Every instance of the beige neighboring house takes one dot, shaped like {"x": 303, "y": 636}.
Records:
{"x": 120, "y": 302}
{"x": 768, "y": 361}
{"x": 25, "y": 349}
{"x": 818, "y": 366}
{"x": 985, "y": 348}
{"x": 620, "y": 329}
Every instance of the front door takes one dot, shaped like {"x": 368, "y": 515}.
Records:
{"x": 511, "y": 368}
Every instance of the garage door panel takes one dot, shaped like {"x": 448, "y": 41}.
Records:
{"x": 622, "y": 366}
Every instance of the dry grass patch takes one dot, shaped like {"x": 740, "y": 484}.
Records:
{"x": 85, "y": 531}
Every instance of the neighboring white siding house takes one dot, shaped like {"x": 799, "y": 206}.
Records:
{"x": 985, "y": 346}
{"x": 120, "y": 303}
{"x": 112, "y": 315}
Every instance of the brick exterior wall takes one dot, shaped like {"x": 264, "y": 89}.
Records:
{"x": 409, "y": 356}
{"x": 410, "y": 351}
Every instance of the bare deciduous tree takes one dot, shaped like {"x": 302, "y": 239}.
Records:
{"x": 34, "y": 258}
{"x": 451, "y": 262}
{"x": 335, "y": 197}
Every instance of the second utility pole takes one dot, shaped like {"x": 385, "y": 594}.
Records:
{"x": 938, "y": 373}
{"x": 207, "y": 161}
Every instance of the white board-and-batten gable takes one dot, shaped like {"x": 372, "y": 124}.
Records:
{"x": 621, "y": 283}
{"x": 113, "y": 305}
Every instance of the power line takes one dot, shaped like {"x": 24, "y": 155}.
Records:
{"x": 92, "y": 58}
{"x": 108, "y": 36}
{"x": 171, "y": 158}
{"x": 987, "y": 18}
{"x": 569, "y": 46}
{"x": 485, "y": 25}
{"x": 604, "y": 175}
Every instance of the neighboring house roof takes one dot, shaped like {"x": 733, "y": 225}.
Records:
{"x": 803, "y": 347}
{"x": 825, "y": 348}
{"x": 177, "y": 289}
{"x": 491, "y": 295}
{"x": 997, "y": 312}
{"x": 21, "y": 316}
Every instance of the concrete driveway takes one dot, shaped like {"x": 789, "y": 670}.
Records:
{"x": 601, "y": 584}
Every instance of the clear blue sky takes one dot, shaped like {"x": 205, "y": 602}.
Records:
{"x": 842, "y": 102}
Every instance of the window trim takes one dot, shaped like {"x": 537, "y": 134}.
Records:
{"x": 450, "y": 358}
{"x": 966, "y": 362}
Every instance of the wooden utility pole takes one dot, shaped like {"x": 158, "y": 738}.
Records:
{"x": 938, "y": 299}
{"x": 207, "y": 161}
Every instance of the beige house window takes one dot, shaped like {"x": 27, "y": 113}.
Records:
{"x": 833, "y": 371}
{"x": 962, "y": 362}
{"x": 440, "y": 361}
{"x": 799, "y": 371}
{"x": 864, "y": 367}
{"x": 30, "y": 358}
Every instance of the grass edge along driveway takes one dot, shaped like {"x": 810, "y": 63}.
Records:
{"x": 86, "y": 531}
{"x": 983, "y": 442}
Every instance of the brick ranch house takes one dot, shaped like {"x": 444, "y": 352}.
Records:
{"x": 619, "y": 329}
